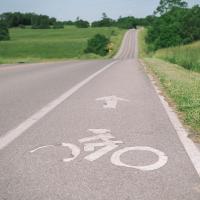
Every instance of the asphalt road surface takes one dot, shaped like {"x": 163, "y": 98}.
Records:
{"x": 89, "y": 130}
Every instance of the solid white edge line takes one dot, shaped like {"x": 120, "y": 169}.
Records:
{"x": 191, "y": 149}
{"x": 11, "y": 135}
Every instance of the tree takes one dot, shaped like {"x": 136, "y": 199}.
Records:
{"x": 81, "y": 23}
{"x": 4, "y": 32}
{"x": 104, "y": 15}
{"x": 35, "y": 21}
{"x": 104, "y": 22}
{"x": 68, "y": 22}
{"x": 191, "y": 25}
{"x": 44, "y": 22}
{"x": 167, "y": 5}
{"x": 98, "y": 45}
{"x": 176, "y": 27}
{"x": 52, "y": 20}
{"x": 17, "y": 19}
{"x": 126, "y": 22}
{"x": 40, "y": 22}
{"x": 167, "y": 30}
{"x": 58, "y": 25}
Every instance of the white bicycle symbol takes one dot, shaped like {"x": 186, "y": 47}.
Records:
{"x": 107, "y": 145}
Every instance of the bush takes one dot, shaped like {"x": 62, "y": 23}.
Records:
{"x": 40, "y": 22}
{"x": 22, "y": 26}
{"x": 98, "y": 45}
{"x": 82, "y": 24}
{"x": 41, "y": 26}
{"x": 58, "y": 25}
{"x": 68, "y": 22}
{"x": 44, "y": 26}
{"x": 127, "y": 22}
{"x": 4, "y": 32}
{"x": 113, "y": 33}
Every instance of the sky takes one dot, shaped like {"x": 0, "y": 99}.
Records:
{"x": 86, "y": 9}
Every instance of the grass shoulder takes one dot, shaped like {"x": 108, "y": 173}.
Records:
{"x": 180, "y": 86}
{"x": 188, "y": 56}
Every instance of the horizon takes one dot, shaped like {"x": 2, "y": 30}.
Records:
{"x": 87, "y": 10}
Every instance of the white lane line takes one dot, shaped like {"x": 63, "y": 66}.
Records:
{"x": 128, "y": 46}
{"x": 20, "y": 129}
{"x": 192, "y": 151}
{"x": 121, "y": 50}
{"x": 132, "y": 44}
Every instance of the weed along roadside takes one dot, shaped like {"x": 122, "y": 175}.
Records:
{"x": 186, "y": 55}
{"x": 180, "y": 86}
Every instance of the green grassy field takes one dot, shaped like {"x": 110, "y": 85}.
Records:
{"x": 33, "y": 45}
{"x": 187, "y": 56}
{"x": 179, "y": 85}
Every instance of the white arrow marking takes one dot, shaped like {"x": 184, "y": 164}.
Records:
{"x": 111, "y": 101}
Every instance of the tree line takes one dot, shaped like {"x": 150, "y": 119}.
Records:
{"x": 35, "y": 21}
{"x": 172, "y": 23}
{"x": 176, "y": 25}
{"x": 123, "y": 22}
{"x": 17, "y": 19}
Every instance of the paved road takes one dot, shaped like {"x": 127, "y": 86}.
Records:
{"x": 121, "y": 147}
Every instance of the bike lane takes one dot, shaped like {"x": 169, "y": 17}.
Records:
{"x": 121, "y": 105}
